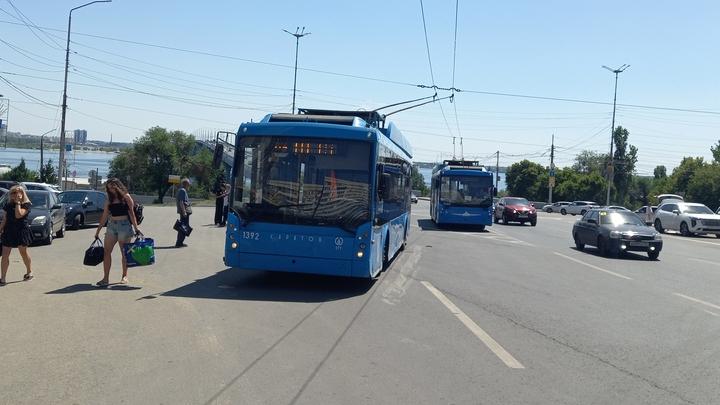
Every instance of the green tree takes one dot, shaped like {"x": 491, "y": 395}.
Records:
{"x": 525, "y": 179}
{"x": 47, "y": 173}
{"x": 704, "y": 186}
{"x": 146, "y": 165}
{"x": 418, "y": 181}
{"x": 572, "y": 185}
{"x": 716, "y": 152}
{"x": 624, "y": 159}
{"x": 20, "y": 173}
{"x": 589, "y": 161}
{"x": 660, "y": 172}
{"x": 681, "y": 175}
{"x": 640, "y": 191}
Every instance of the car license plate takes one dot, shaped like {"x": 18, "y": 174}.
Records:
{"x": 522, "y": 216}
{"x": 639, "y": 244}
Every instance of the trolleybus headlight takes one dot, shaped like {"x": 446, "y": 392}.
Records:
{"x": 234, "y": 245}
{"x": 360, "y": 254}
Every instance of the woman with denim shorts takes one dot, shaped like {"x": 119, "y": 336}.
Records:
{"x": 121, "y": 226}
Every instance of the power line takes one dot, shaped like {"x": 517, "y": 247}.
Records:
{"x": 432, "y": 74}
{"x": 26, "y": 94}
{"x": 29, "y": 24}
{"x": 471, "y": 91}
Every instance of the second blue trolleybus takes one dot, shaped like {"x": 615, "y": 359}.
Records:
{"x": 461, "y": 194}
{"x": 321, "y": 191}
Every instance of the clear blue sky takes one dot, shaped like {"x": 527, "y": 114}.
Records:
{"x": 549, "y": 49}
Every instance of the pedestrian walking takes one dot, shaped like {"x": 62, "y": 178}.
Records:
{"x": 15, "y": 231}
{"x": 226, "y": 204}
{"x": 183, "y": 208}
{"x": 219, "y": 190}
{"x": 121, "y": 226}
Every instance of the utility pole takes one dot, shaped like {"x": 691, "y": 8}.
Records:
{"x": 551, "y": 179}
{"x": 64, "y": 99}
{"x": 497, "y": 169}
{"x": 4, "y": 111}
{"x": 610, "y": 168}
{"x": 298, "y": 34}
{"x": 453, "y": 147}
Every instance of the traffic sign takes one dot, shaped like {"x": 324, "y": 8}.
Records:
{"x": 551, "y": 181}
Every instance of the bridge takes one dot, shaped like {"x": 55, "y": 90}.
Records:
{"x": 224, "y": 139}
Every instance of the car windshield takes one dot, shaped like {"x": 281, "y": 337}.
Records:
{"x": 466, "y": 190}
{"x": 516, "y": 201}
{"x": 695, "y": 209}
{"x": 72, "y": 197}
{"x": 39, "y": 199}
{"x": 620, "y": 218}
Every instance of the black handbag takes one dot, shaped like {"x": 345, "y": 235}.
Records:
{"x": 180, "y": 227}
{"x": 95, "y": 254}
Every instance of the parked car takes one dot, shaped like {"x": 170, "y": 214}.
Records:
{"x": 615, "y": 207}
{"x": 82, "y": 207}
{"x": 47, "y": 216}
{"x": 688, "y": 218}
{"x": 413, "y": 198}
{"x": 556, "y": 206}
{"x": 663, "y": 197}
{"x": 515, "y": 209}
{"x": 29, "y": 185}
{"x": 8, "y": 184}
{"x": 648, "y": 217}
{"x": 614, "y": 232}
{"x": 578, "y": 207}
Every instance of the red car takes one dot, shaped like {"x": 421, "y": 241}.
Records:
{"x": 515, "y": 209}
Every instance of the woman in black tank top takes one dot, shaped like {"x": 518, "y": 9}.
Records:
{"x": 121, "y": 226}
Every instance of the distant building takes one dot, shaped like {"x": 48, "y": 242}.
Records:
{"x": 80, "y": 136}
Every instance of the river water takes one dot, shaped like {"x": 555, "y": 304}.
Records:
{"x": 79, "y": 162}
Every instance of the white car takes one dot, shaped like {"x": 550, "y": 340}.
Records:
{"x": 556, "y": 206}
{"x": 29, "y": 185}
{"x": 688, "y": 218}
{"x": 578, "y": 207}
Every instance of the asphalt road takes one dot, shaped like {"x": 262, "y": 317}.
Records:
{"x": 513, "y": 315}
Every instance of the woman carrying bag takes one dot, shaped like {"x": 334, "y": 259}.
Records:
{"x": 15, "y": 231}
{"x": 121, "y": 222}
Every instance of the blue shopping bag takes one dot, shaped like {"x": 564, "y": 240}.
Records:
{"x": 140, "y": 252}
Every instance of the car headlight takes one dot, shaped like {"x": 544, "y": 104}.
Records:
{"x": 39, "y": 220}
{"x": 514, "y": 211}
{"x": 657, "y": 236}
{"x": 69, "y": 208}
{"x": 615, "y": 234}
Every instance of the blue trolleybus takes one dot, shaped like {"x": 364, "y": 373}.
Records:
{"x": 321, "y": 191}
{"x": 461, "y": 194}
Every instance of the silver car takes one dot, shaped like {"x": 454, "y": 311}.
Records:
{"x": 687, "y": 218}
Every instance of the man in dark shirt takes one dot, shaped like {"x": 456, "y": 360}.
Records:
{"x": 183, "y": 208}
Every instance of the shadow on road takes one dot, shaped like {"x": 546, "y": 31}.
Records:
{"x": 624, "y": 256}
{"x": 234, "y": 284}
{"x": 429, "y": 225}
{"x": 75, "y": 288}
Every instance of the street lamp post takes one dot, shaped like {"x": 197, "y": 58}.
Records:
{"x": 7, "y": 116}
{"x": 42, "y": 171}
{"x": 64, "y": 103}
{"x": 612, "y": 131}
{"x": 298, "y": 34}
